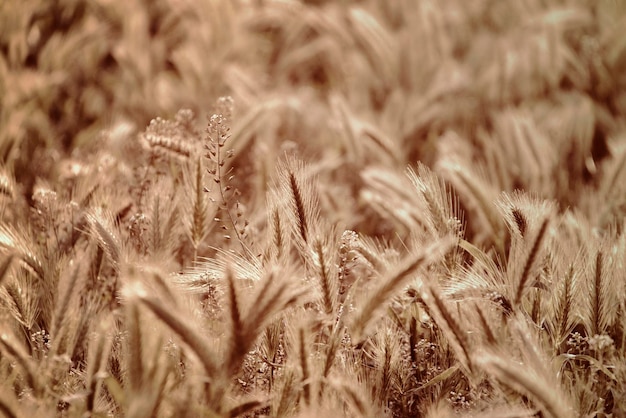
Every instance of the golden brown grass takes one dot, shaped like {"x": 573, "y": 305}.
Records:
{"x": 392, "y": 208}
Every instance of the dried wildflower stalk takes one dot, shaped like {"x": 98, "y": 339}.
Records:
{"x": 217, "y": 135}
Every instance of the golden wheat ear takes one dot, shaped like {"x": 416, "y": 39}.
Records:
{"x": 452, "y": 326}
{"x": 519, "y": 378}
{"x": 531, "y": 258}
{"x": 393, "y": 281}
{"x": 323, "y": 265}
{"x": 135, "y": 352}
{"x": 21, "y": 245}
{"x": 197, "y": 342}
{"x": 279, "y": 240}
{"x": 102, "y": 228}
{"x": 603, "y": 288}
{"x": 444, "y": 215}
{"x": 196, "y": 214}
{"x": 301, "y": 200}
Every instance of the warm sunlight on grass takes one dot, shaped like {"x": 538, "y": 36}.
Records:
{"x": 292, "y": 208}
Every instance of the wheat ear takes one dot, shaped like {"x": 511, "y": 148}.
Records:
{"x": 108, "y": 241}
{"x": 394, "y": 282}
{"x": 197, "y": 229}
{"x": 303, "y": 204}
{"x": 520, "y": 221}
{"x": 277, "y": 233}
{"x": 196, "y": 342}
{"x": 298, "y": 205}
{"x": 488, "y": 332}
{"x": 518, "y": 378}
{"x": 328, "y": 284}
{"x": 597, "y": 301}
{"x": 448, "y": 323}
{"x": 530, "y": 261}
{"x": 565, "y": 304}
{"x": 16, "y": 244}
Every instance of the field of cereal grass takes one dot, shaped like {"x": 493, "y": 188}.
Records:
{"x": 292, "y": 208}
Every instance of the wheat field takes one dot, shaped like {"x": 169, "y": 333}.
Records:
{"x": 312, "y": 208}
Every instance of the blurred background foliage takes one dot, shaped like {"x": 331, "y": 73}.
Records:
{"x": 531, "y": 92}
